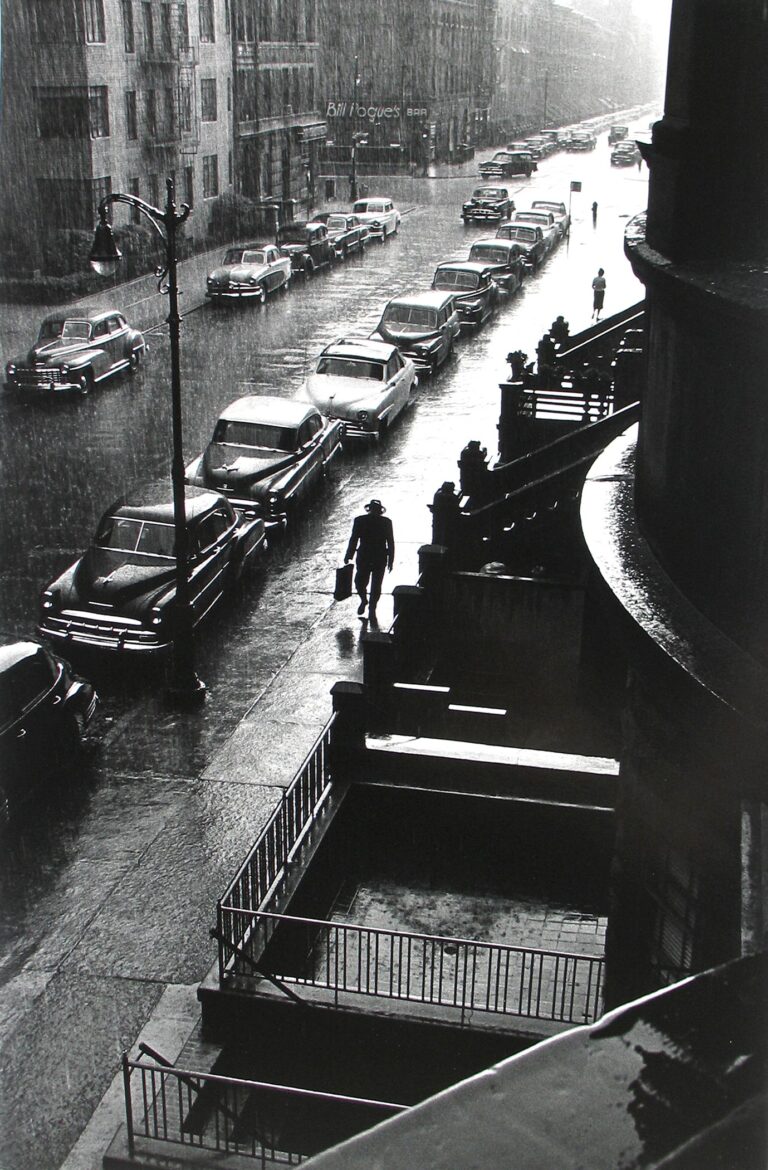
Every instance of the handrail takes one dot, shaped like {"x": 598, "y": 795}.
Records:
{"x": 457, "y": 973}
{"x": 210, "y": 1111}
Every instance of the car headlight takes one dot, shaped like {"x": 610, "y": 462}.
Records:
{"x": 251, "y": 279}
{"x": 362, "y": 415}
{"x": 273, "y": 501}
{"x": 376, "y": 224}
{"x": 51, "y": 599}
{"x": 10, "y": 369}
{"x": 64, "y": 370}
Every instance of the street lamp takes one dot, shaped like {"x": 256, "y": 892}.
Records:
{"x": 358, "y": 139}
{"x": 185, "y": 685}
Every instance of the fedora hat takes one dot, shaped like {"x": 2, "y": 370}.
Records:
{"x": 375, "y": 506}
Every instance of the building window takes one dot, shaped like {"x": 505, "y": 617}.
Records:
{"x": 229, "y": 168}
{"x": 62, "y": 113}
{"x": 309, "y": 20}
{"x": 55, "y": 23}
{"x": 207, "y": 30}
{"x": 210, "y": 176}
{"x": 131, "y": 120}
{"x": 208, "y": 99}
{"x": 189, "y": 187}
{"x": 169, "y": 115}
{"x": 148, "y": 25}
{"x": 227, "y": 25}
{"x": 229, "y": 93}
{"x": 94, "y": 21}
{"x": 154, "y": 191}
{"x": 72, "y": 203}
{"x": 98, "y": 111}
{"x": 165, "y": 28}
{"x": 183, "y": 27}
{"x": 135, "y": 189}
{"x": 150, "y": 106}
{"x": 128, "y": 36}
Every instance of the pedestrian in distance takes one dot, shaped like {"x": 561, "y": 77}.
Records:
{"x": 594, "y": 214}
{"x": 598, "y": 289}
{"x": 559, "y": 330}
{"x": 372, "y": 543}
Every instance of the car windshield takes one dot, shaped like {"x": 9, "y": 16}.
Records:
{"x": 137, "y": 536}
{"x": 404, "y": 314}
{"x": 263, "y": 436}
{"x": 527, "y": 234}
{"x": 244, "y": 256}
{"x": 555, "y": 208}
{"x": 70, "y": 328}
{"x": 451, "y": 279}
{"x": 350, "y": 367}
{"x": 491, "y": 253}
{"x": 532, "y": 217}
{"x": 337, "y": 223}
{"x": 368, "y": 205}
{"x": 489, "y": 193}
{"x": 501, "y": 156}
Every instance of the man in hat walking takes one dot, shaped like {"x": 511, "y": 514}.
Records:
{"x": 374, "y": 542}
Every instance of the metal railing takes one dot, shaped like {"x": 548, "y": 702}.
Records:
{"x": 265, "y": 866}
{"x": 464, "y": 974}
{"x": 273, "y": 1124}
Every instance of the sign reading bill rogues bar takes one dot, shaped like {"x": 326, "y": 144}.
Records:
{"x": 374, "y": 113}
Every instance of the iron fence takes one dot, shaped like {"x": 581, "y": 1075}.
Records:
{"x": 265, "y": 865}
{"x": 272, "y": 1124}
{"x": 464, "y": 974}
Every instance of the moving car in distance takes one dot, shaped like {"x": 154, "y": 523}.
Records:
{"x": 475, "y": 293}
{"x": 267, "y": 455}
{"x": 76, "y": 350}
{"x": 363, "y": 383}
{"x": 423, "y": 326}
{"x": 307, "y": 246}
{"x": 503, "y": 259}
{"x": 582, "y": 140}
{"x": 121, "y": 594}
{"x": 559, "y": 210}
{"x": 625, "y": 154}
{"x": 506, "y": 162}
{"x": 379, "y": 214}
{"x": 488, "y": 203}
{"x": 45, "y": 709}
{"x": 530, "y": 239}
{"x": 249, "y": 271}
{"x": 347, "y": 233}
{"x": 546, "y": 221}
{"x": 617, "y": 134}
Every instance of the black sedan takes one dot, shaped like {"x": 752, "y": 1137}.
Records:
{"x": 488, "y": 203}
{"x": 121, "y": 594}
{"x": 475, "y": 292}
{"x": 347, "y": 233}
{"x": 44, "y": 711}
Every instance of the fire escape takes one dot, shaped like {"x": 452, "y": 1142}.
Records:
{"x": 169, "y": 63}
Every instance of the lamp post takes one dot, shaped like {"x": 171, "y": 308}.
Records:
{"x": 185, "y": 685}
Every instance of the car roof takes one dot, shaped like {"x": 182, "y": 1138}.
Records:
{"x": 256, "y": 247}
{"x": 279, "y": 412}
{"x": 155, "y": 502}
{"x": 545, "y": 203}
{"x": 18, "y": 652}
{"x": 82, "y": 314}
{"x": 434, "y": 299}
{"x": 463, "y": 266}
{"x": 361, "y": 347}
{"x": 497, "y": 241}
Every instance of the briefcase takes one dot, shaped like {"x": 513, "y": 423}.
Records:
{"x": 343, "y": 588}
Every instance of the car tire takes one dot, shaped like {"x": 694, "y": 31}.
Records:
{"x": 85, "y": 383}
{"x": 309, "y": 267}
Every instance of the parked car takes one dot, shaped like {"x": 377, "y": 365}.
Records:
{"x": 380, "y": 214}
{"x": 347, "y": 233}
{"x": 475, "y": 293}
{"x": 624, "y": 154}
{"x": 306, "y": 244}
{"x": 617, "y": 134}
{"x": 267, "y": 455}
{"x": 546, "y": 221}
{"x": 488, "y": 203}
{"x": 365, "y": 384}
{"x": 45, "y": 709}
{"x": 530, "y": 239}
{"x": 75, "y": 350}
{"x": 251, "y": 271}
{"x": 559, "y": 210}
{"x": 423, "y": 326}
{"x": 506, "y": 162}
{"x": 503, "y": 258}
{"x": 121, "y": 594}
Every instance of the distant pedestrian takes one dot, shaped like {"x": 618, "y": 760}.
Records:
{"x": 598, "y": 288}
{"x": 374, "y": 542}
{"x": 594, "y": 214}
{"x": 559, "y": 330}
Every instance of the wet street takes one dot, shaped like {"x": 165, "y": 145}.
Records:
{"x": 109, "y": 878}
